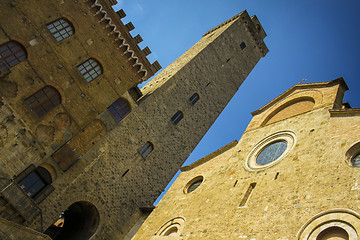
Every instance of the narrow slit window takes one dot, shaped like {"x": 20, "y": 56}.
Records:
{"x": 177, "y": 117}
{"x": 119, "y": 109}
{"x": 44, "y": 100}
{"x": 242, "y": 45}
{"x": 11, "y": 54}
{"x": 90, "y": 69}
{"x": 146, "y": 149}
{"x": 60, "y": 29}
{"x": 247, "y": 195}
{"x": 194, "y": 98}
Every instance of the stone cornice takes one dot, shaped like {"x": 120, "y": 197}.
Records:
{"x": 344, "y": 112}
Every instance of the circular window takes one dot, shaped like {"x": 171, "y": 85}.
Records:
{"x": 172, "y": 228}
{"x": 193, "y": 184}
{"x": 270, "y": 151}
{"x": 333, "y": 233}
{"x": 355, "y": 161}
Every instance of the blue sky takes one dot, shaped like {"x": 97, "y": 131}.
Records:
{"x": 317, "y": 40}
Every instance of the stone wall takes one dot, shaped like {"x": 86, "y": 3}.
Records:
{"x": 311, "y": 188}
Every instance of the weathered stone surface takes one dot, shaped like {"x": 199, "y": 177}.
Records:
{"x": 312, "y": 185}
{"x": 96, "y": 159}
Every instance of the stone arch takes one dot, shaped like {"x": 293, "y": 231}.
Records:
{"x": 334, "y": 222}
{"x": 51, "y": 170}
{"x": 78, "y": 222}
{"x": 171, "y": 228}
{"x": 290, "y": 109}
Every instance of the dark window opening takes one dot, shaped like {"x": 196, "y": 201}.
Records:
{"x": 90, "y": 69}
{"x": 43, "y": 101}
{"x": 235, "y": 183}
{"x": 247, "y": 194}
{"x": 119, "y": 109}
{"x": 146, "y": 149}
{"x": 135, "y": 93}
{"x": 194, "y": 98}
{"x": 334, "y": 232}
{"x": 177, "y": 117}
{"x": 35, "y": 181}
{"x": 11, "y": 54}
{"x": 60, "y": 29}
{"x": 242, "y": 45}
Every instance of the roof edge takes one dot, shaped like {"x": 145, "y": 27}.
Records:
{"x": 336, "y": 81}
{"x": 210, "y": 156}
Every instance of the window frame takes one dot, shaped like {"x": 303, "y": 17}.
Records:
{"x": 14, "y": 54}
{"x": 69, "y": 29}
{"x": 47, "y": 99}
{"x": 90, "y": 73}
{"x": 194, "y": 98}
{"x": 42, "y": 175}
{"x": 146, "y": 149}
{"x": 118, "y": 112}
{"x": 177, "y": 117}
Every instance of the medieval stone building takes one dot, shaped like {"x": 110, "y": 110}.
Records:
{"x": 294, "y": 174}
{"x": 84, "y": 153}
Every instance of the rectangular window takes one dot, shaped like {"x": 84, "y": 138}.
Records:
{"x": 146, "y": 149}
{"x": 177, "y": 117}
{"x": 194, "y": 98}
{"x": 247, "y": 195}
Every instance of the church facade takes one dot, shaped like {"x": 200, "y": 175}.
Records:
{"x": 84, "y": 153}
{"x": 294, "y": 174}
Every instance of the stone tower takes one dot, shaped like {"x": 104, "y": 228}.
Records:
{"x": 294, "y": 174}
{"x": 79, "y": 139}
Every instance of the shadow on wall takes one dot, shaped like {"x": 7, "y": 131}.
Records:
{"x": 78, "y": 222}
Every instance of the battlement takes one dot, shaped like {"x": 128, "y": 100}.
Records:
{"x": 250, "y": 27}
{"x": 252, "y": 24}
{"x": 119, "y": 34}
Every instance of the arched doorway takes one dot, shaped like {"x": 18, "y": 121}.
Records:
{"x": 78, "y": 222}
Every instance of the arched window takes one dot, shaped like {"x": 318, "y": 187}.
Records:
{"x": 119, "y": 109}
{"x": 194, "y": 98}
{"x": 60, "y": 29}
{"x": 146, "y": 149}
{"x": 43, "y": 100}
{"x": 177, "y": 117}
{"x": 35, "y": 181}
{"x": 90, "y": 69}
{"x": 172, "y": 228}
{"x": 11, "y": 53}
